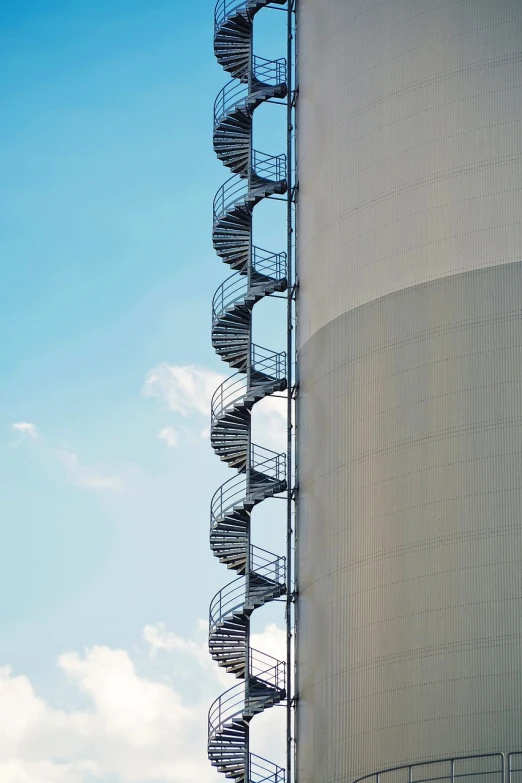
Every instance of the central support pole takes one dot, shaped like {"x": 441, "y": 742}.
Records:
{"x": 290, "y": 357}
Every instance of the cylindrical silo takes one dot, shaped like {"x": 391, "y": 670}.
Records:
{"x": 410, "y": 397}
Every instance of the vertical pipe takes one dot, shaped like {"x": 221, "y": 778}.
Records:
{"x": 249, "y": 440}
{"x": 290, "y": 346}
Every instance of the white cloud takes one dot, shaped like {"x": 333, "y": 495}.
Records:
{"x": 184, "y": 388}
{"x": 26, "y": 428}
{"x": 134, "y": 729}
{"x": 269, "y": 423}
{"x": 45, "y": 772}
{"x": 87, "y": 477}
{"x": 271, "y": 641}
{"x": 187, "y": 390}
{"x": 169, "y": 436}
{"x": 158, "y": 638}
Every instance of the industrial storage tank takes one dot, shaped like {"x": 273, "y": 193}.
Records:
{"x": 409, "y": 549}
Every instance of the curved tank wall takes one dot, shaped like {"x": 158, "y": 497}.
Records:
{"x": 410, "y": 403}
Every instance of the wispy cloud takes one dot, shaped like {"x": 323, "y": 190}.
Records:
{"x": 169, "y": 436}
{"x": 84, "y": 476}
{"x": 26, "y": 428}
{"x": 269, "y": 423}
{"x": 185, "y": 389}
{"x": 88, "y": 477}
{"x": 188, "y": 390}
{"x": 159, "y": 638}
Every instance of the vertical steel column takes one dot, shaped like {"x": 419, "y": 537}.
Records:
{"x": 290, "y": 358}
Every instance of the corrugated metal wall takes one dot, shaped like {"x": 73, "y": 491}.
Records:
{"x": 410, "y": 409}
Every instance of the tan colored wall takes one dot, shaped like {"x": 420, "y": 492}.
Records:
{"x": 410, "y": 406}
{"x": 410, "y": 528}
{"x": 410, "y": 153}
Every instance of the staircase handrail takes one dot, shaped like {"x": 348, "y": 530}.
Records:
{"x": 264, "y": 771}
{"x": 232, "y": 704}
{"x": 224, "y": 9}
{"x": 235, "y": 388}
{"x": 232, "y": 597}
{"x": 228, "y": 496}
{"x": 267, "y": 362}
{"x": 271, "y": 671}
{"x": 228, "y": 705}
{"x": 232, "y": 390}
{"x": 235, "y": 288}
{"x": 265, "y": 262}
{"x": 267, "y": 168}
{"x": 270, "y": 463}
{"x": 229, "y": 599}
{"x": 268, "y": 73}
{"x": 267, "y": 564}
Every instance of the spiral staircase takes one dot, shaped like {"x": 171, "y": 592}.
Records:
{"x": 260, "y": 473}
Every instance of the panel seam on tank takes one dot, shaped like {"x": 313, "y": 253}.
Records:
{"x": 414, "y": 370}
{"x": 328, "y": 574}
{"x": 450, "y": 279}
{"x": 427, "y": 544}
{"x": 492, "y": 62}
{"x": 407, "y": 53}
{"x": 305, "y": 151}
{"x": 371, "y": 694}
{"x": 421, "y": 336}
{"x": 438, "y": 435}
{"x": 432, "y": 651}
{"x": 427, "y": 720}
{"x": 409, "y": 216}
{"x": 440, "y": 176}
{"x": 377, "y": 7}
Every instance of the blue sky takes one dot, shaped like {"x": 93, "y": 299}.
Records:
{"x": 107, "y": 274}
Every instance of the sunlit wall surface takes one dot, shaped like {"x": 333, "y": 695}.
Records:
{"x": 410, "y": 403}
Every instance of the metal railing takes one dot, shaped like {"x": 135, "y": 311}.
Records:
{"x": 231, "y": 598}
{"x": 268, "y": 565}
{"x": 270, "y": 266}
{"x": 265, "y": 169}
{"x": 233, "y": 704}
{"x": 233, "y": 191}
{"x": 514, "y": 766}
{"x": 226, "y": 602}
{"x": 267, "y": 368}
{"x": 225, "y": 8}
{"x": 231, "y": 391}
{"x": 265, "y": 74}
{"x": 267, "y": 462}
{"x": 271, "y": 168}
{"x": 233, "y": 494}
{"x": 263, "y": 771}
{"x": 225, "y": 708}
{"x": 232, "y": 290}
{"x": 230, "y": 495}
{"x": 273, "y": 265}
{"x": 269, "y": 670}
{"x": 446, "y": 770}
{"x": 267, "y": 363}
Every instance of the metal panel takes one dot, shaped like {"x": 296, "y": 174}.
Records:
{"x": 410, "y": 161}
{"x": 410, "y": 545}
